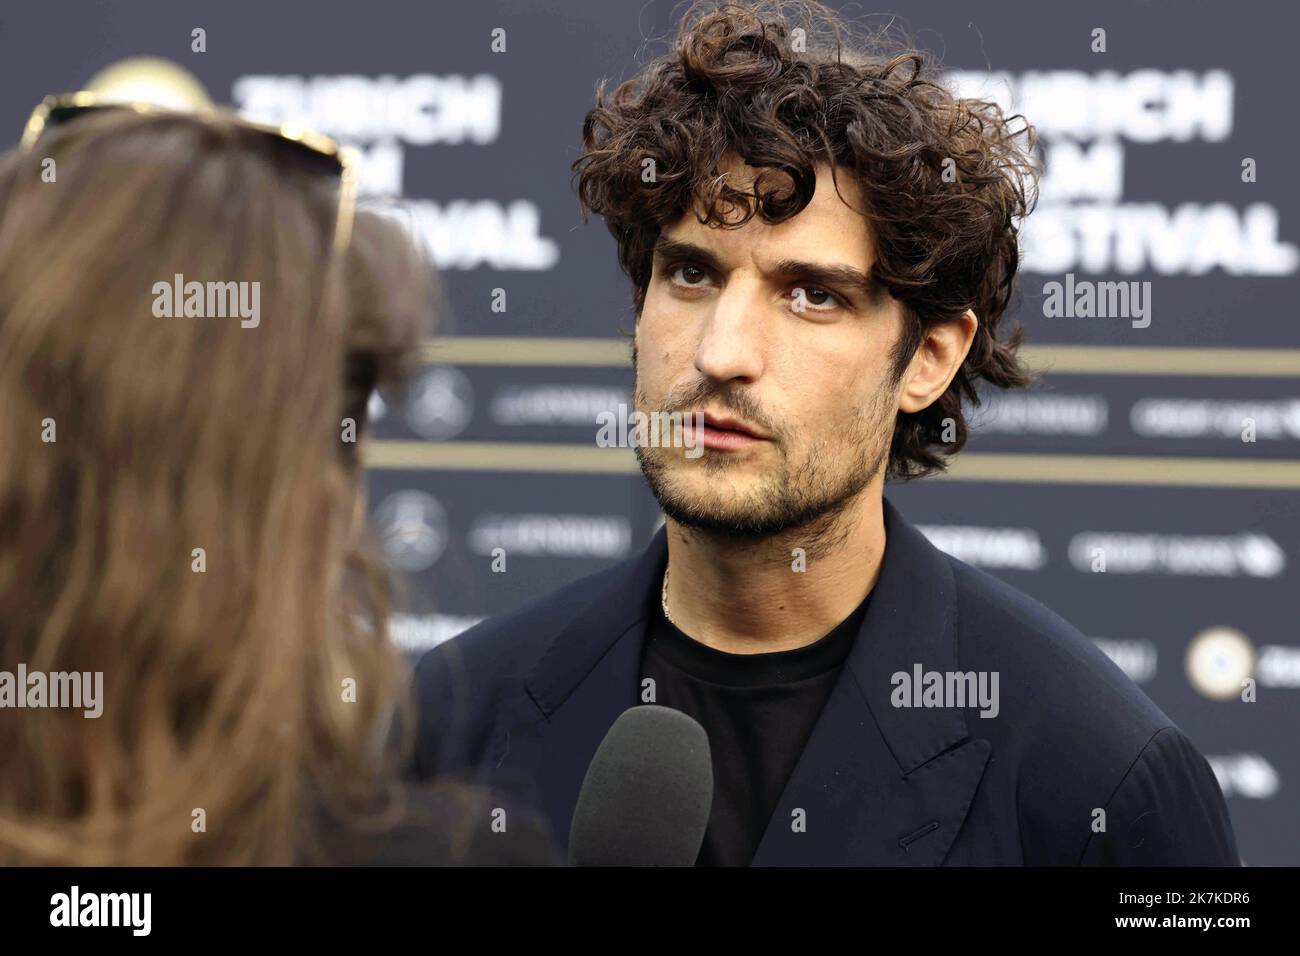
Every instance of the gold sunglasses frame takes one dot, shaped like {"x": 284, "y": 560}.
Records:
{"x": 347, "y": 158}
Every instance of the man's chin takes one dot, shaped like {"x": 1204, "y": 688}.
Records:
{"x": 743, "y": 505}
{"x": 711, "y": 518}
{"x": 705, "y": 502}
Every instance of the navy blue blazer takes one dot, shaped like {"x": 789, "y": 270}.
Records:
{"x": 1077, "y": 767}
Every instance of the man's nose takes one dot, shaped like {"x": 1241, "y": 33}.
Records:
{"x": 732, "y": 346}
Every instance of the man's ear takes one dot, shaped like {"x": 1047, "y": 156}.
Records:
{"x": 936, "y": 362}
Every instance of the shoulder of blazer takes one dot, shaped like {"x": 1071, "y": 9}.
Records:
{"x": 1071, "y": 725}
{"x": 463, "y": 684}
{"x": 1058, "y": 670}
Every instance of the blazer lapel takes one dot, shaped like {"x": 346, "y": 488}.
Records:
{"x": 877, "y": 784}
{"x": 587, "y": 676}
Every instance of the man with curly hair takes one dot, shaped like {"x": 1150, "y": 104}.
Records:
{"x": 822, "y": 243}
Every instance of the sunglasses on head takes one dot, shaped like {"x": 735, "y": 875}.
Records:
{"x": 317, "y": 151}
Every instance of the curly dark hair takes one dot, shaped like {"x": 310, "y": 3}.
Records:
{"x": 787, "y": 86}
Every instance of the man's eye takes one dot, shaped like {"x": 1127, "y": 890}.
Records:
{"x": 689, "y": 275}
{"x": 810, "y": 298}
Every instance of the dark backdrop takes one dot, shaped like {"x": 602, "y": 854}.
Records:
{"x": 1131, "y": 447}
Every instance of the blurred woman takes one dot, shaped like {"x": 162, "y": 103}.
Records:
{"x": 181, "y": 509}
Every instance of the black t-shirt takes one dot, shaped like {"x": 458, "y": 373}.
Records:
{"x": 758, "y": 710}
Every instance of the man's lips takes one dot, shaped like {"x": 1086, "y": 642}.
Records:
{"x": 725, "y": 434}
{"x": 719, "y": 423}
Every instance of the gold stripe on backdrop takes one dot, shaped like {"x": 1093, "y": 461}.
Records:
{"x": 1058, "y": 359}
{"x": 1154, "y": 471}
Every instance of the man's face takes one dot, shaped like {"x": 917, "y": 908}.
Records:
{"x": 774, "y": 334}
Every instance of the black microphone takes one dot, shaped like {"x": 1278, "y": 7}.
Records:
{"x": 647, "y": 795}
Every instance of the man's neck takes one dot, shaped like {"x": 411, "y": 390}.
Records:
{"x": 752, "y": 597}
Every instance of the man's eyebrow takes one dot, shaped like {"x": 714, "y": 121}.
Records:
{"x": 666, "y": 248}
{"x": 835, "y": 276}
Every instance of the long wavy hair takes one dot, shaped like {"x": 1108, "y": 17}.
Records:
{"x": 250, "y": 692}
{"x": 787, "y": 85}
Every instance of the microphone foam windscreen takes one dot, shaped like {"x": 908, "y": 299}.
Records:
{"x": 647, "y": 795}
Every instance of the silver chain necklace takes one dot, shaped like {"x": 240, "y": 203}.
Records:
{"x": 663, "y": 599}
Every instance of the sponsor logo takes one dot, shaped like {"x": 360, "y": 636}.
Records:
{"x": 412, "y": 530}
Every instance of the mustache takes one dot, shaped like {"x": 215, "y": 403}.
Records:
{"x": 727, "y": 397}
{"x": 702, "y": 391}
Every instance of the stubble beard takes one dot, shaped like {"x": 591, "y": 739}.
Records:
{"x": 799, "y": 503}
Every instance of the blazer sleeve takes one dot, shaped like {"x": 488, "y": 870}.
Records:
{"x": 1167, "y": 811}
